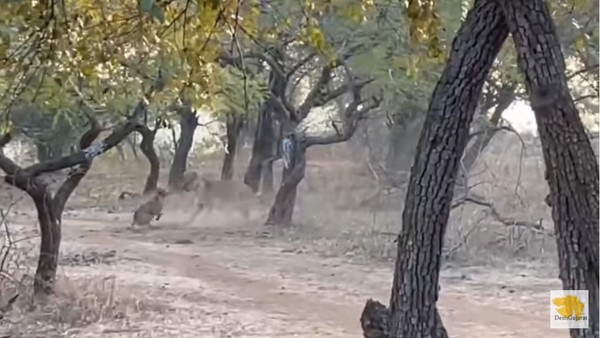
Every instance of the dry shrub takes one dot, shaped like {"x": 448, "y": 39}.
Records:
{"x": 76, "y": 302}
{"x": 79, "y": 302}
{"x": 331, "y": 220}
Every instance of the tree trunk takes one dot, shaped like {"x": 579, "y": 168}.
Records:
{"x": 264, "y": 137}
{"x": 267, "y": 178}
{"x": 49, "y": 209}
{"x": 147, "y": 147}
{"x": 234, "y": 127}
{"x": 267, "y": 186}
{"x": 50, "y": 229}
{"x": 261, "y": 149}
{"x": 282, "y": 209}
{"x": 571, "y": 166}
{"x": 413, "y": 311}
{"x": 188, "y": 122}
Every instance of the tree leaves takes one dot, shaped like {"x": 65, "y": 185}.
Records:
{"x": 424, "y": 25}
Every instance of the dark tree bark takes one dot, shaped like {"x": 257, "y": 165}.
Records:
{"x": 413, "y": 311}
{"x": 147, "y": 147}
{"x": 571, "y": 166}
{"x": 49, "y": 208}
{"x": 188, "y": 122}
{"x": 234, "y": 126}
{"x": 285, "y": 200}
{"x": 262, "y": 147}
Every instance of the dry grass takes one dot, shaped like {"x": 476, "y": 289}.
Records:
{"x": 77, "y": 301}
{"x": 331, "y": 220}
{"x": 509, "y": 177}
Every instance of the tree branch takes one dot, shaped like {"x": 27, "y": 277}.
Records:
{"x": 317, "y": 95}
{"x": 492, "y": 211}
{"x": 589, "y": 68}
{"x": 75, "y": 176}
{"x": 352, "y": 114}
{"x": 88, "y": 153}
{"x": 349, "y": 124}
{"x": 585, "y": 97}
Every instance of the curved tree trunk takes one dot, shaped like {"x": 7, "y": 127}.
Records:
{"x": 234, "y": 127}
{"x": 285, "y": 200}
{"x": 188, "y": 122}
{"x": 147, "y": 147}
{"x": 49, "y": 209}
{"x": 413, "y": 310}
{"x": 571, "y": 166}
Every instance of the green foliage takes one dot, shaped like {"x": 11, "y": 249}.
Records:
{"x": 53, "y": 133}
{"x": 240, "y": 94}
{"x": 112, "y": 51}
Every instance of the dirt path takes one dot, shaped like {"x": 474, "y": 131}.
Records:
{"x": 269, "y": 288}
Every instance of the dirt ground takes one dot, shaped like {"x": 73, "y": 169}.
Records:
{"x": 216, "y": 278}
{"x": 222, "y": 276}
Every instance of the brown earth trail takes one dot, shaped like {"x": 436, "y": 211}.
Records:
{"x": 223, "y": 280}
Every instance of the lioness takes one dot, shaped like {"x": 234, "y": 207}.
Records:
{"x": 150, "y": 210}
{"x": 212, "y": 194}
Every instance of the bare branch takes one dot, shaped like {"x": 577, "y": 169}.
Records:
{"x": 299, "y": 65}
{"x": 75, "y": 176}
{"x": 589, "y": 68}
{"x": 352, "y": 115}
{"x": 492, "y": 211}
{"x": 585, "y": 97}
{"x": 316, "y": 96}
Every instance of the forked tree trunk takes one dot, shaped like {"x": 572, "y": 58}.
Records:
{"x": 234, "y": 127}
{"x": 49, "y": 209}
{"x": 147, "y": 147}
{"x": 571, "y": 166}
{"x": 413, "y": 310}
{"x": 282, "y": 209}
{"x": 188, "y": 122}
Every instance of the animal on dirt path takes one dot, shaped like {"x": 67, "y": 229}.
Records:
{"x": 225, "y": 195}
{"x": 150, "y": 210}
